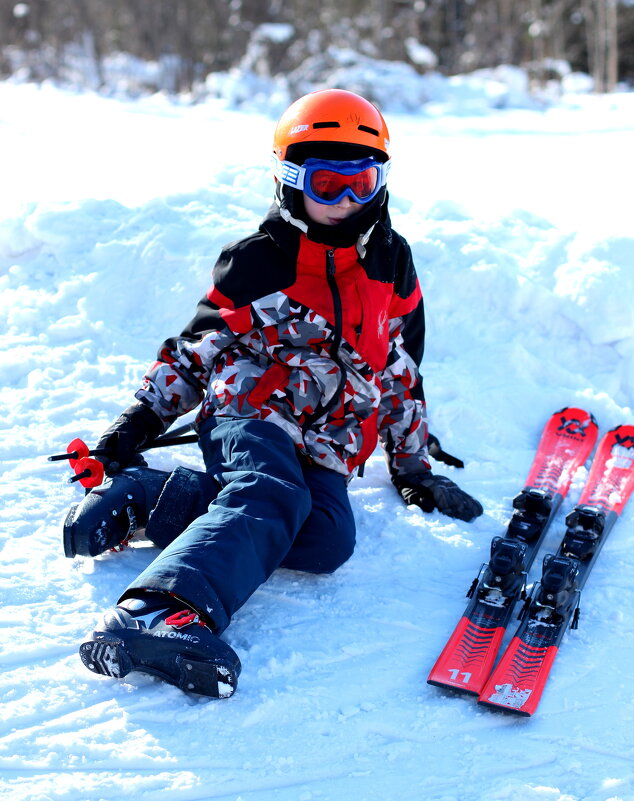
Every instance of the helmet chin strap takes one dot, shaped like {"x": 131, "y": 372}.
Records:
{"x": 285, "y": 212}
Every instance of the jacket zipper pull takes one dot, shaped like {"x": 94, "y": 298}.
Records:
{"x": 330, "y": 263}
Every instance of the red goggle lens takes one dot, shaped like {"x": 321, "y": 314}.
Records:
{"x": 328, "y": 185}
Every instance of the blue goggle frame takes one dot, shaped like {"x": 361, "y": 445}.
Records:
{"x": 299, "y": 177}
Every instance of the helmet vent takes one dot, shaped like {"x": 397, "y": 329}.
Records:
{"x": 326, "y": 125}
{"x": 367, "y": 129}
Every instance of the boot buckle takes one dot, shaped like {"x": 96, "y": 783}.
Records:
{"x": 183, "y": 618}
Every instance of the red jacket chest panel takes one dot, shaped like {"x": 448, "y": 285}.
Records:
{"x": 365, "y": 303}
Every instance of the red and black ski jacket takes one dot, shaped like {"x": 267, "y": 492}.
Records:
{"x": 320, "y": 341}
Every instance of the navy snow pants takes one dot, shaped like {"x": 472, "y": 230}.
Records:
{"x": 271, "y": 510}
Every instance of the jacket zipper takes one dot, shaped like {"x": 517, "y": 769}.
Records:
{"x": 331, "y": 269}
{"x": 323, "y": 409}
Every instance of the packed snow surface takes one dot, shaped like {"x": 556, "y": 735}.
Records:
{"x": 111, "y": 215}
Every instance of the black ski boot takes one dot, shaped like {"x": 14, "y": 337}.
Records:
{"x": 109, "y": 514}
{"x": 159, "y": 635}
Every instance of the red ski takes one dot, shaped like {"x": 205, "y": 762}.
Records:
{"x": 518, "y": 682}
{"x": 468, "y": 657}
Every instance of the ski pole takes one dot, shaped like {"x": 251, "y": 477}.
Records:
{"x": 166, "y": 442}
{"x": 436, "y": 451}
{"x": 77, "y": 449}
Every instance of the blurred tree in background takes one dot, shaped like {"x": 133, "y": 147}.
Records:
{"x": 189, "y": 39}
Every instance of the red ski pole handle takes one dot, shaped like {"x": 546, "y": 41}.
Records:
{"x": 77, "y": 449}
{"x": 89, "y": 472}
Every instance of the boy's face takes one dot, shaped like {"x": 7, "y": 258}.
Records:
{"x": 330, "y": 215}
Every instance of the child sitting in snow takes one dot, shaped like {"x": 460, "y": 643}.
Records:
{"x": 304, "y": 354}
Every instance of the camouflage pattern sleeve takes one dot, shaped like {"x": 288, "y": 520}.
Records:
{"x": 402, "y": 412}
{"x": 177, "y": 381}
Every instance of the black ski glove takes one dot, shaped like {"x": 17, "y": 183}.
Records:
{"x": 136, "y": 427}
{"x": 437, "y": 492}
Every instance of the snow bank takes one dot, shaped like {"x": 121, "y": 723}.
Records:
{"x": 255, "y": 86}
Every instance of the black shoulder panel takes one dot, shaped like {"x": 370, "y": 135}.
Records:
{"x": 252, "y": 268}
{"x": 389, "y": 259}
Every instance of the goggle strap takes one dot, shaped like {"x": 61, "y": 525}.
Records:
{"x": 289, "y": 173}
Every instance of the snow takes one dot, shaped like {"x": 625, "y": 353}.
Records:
{"x": 111, "y": 215}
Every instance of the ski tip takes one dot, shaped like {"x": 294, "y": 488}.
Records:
{"x": 582, "y": 415}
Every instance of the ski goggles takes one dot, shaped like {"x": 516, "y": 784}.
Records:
{"x": 328, "y": 182}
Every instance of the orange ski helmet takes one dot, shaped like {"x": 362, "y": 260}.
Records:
{"x": 332, "y": 115}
